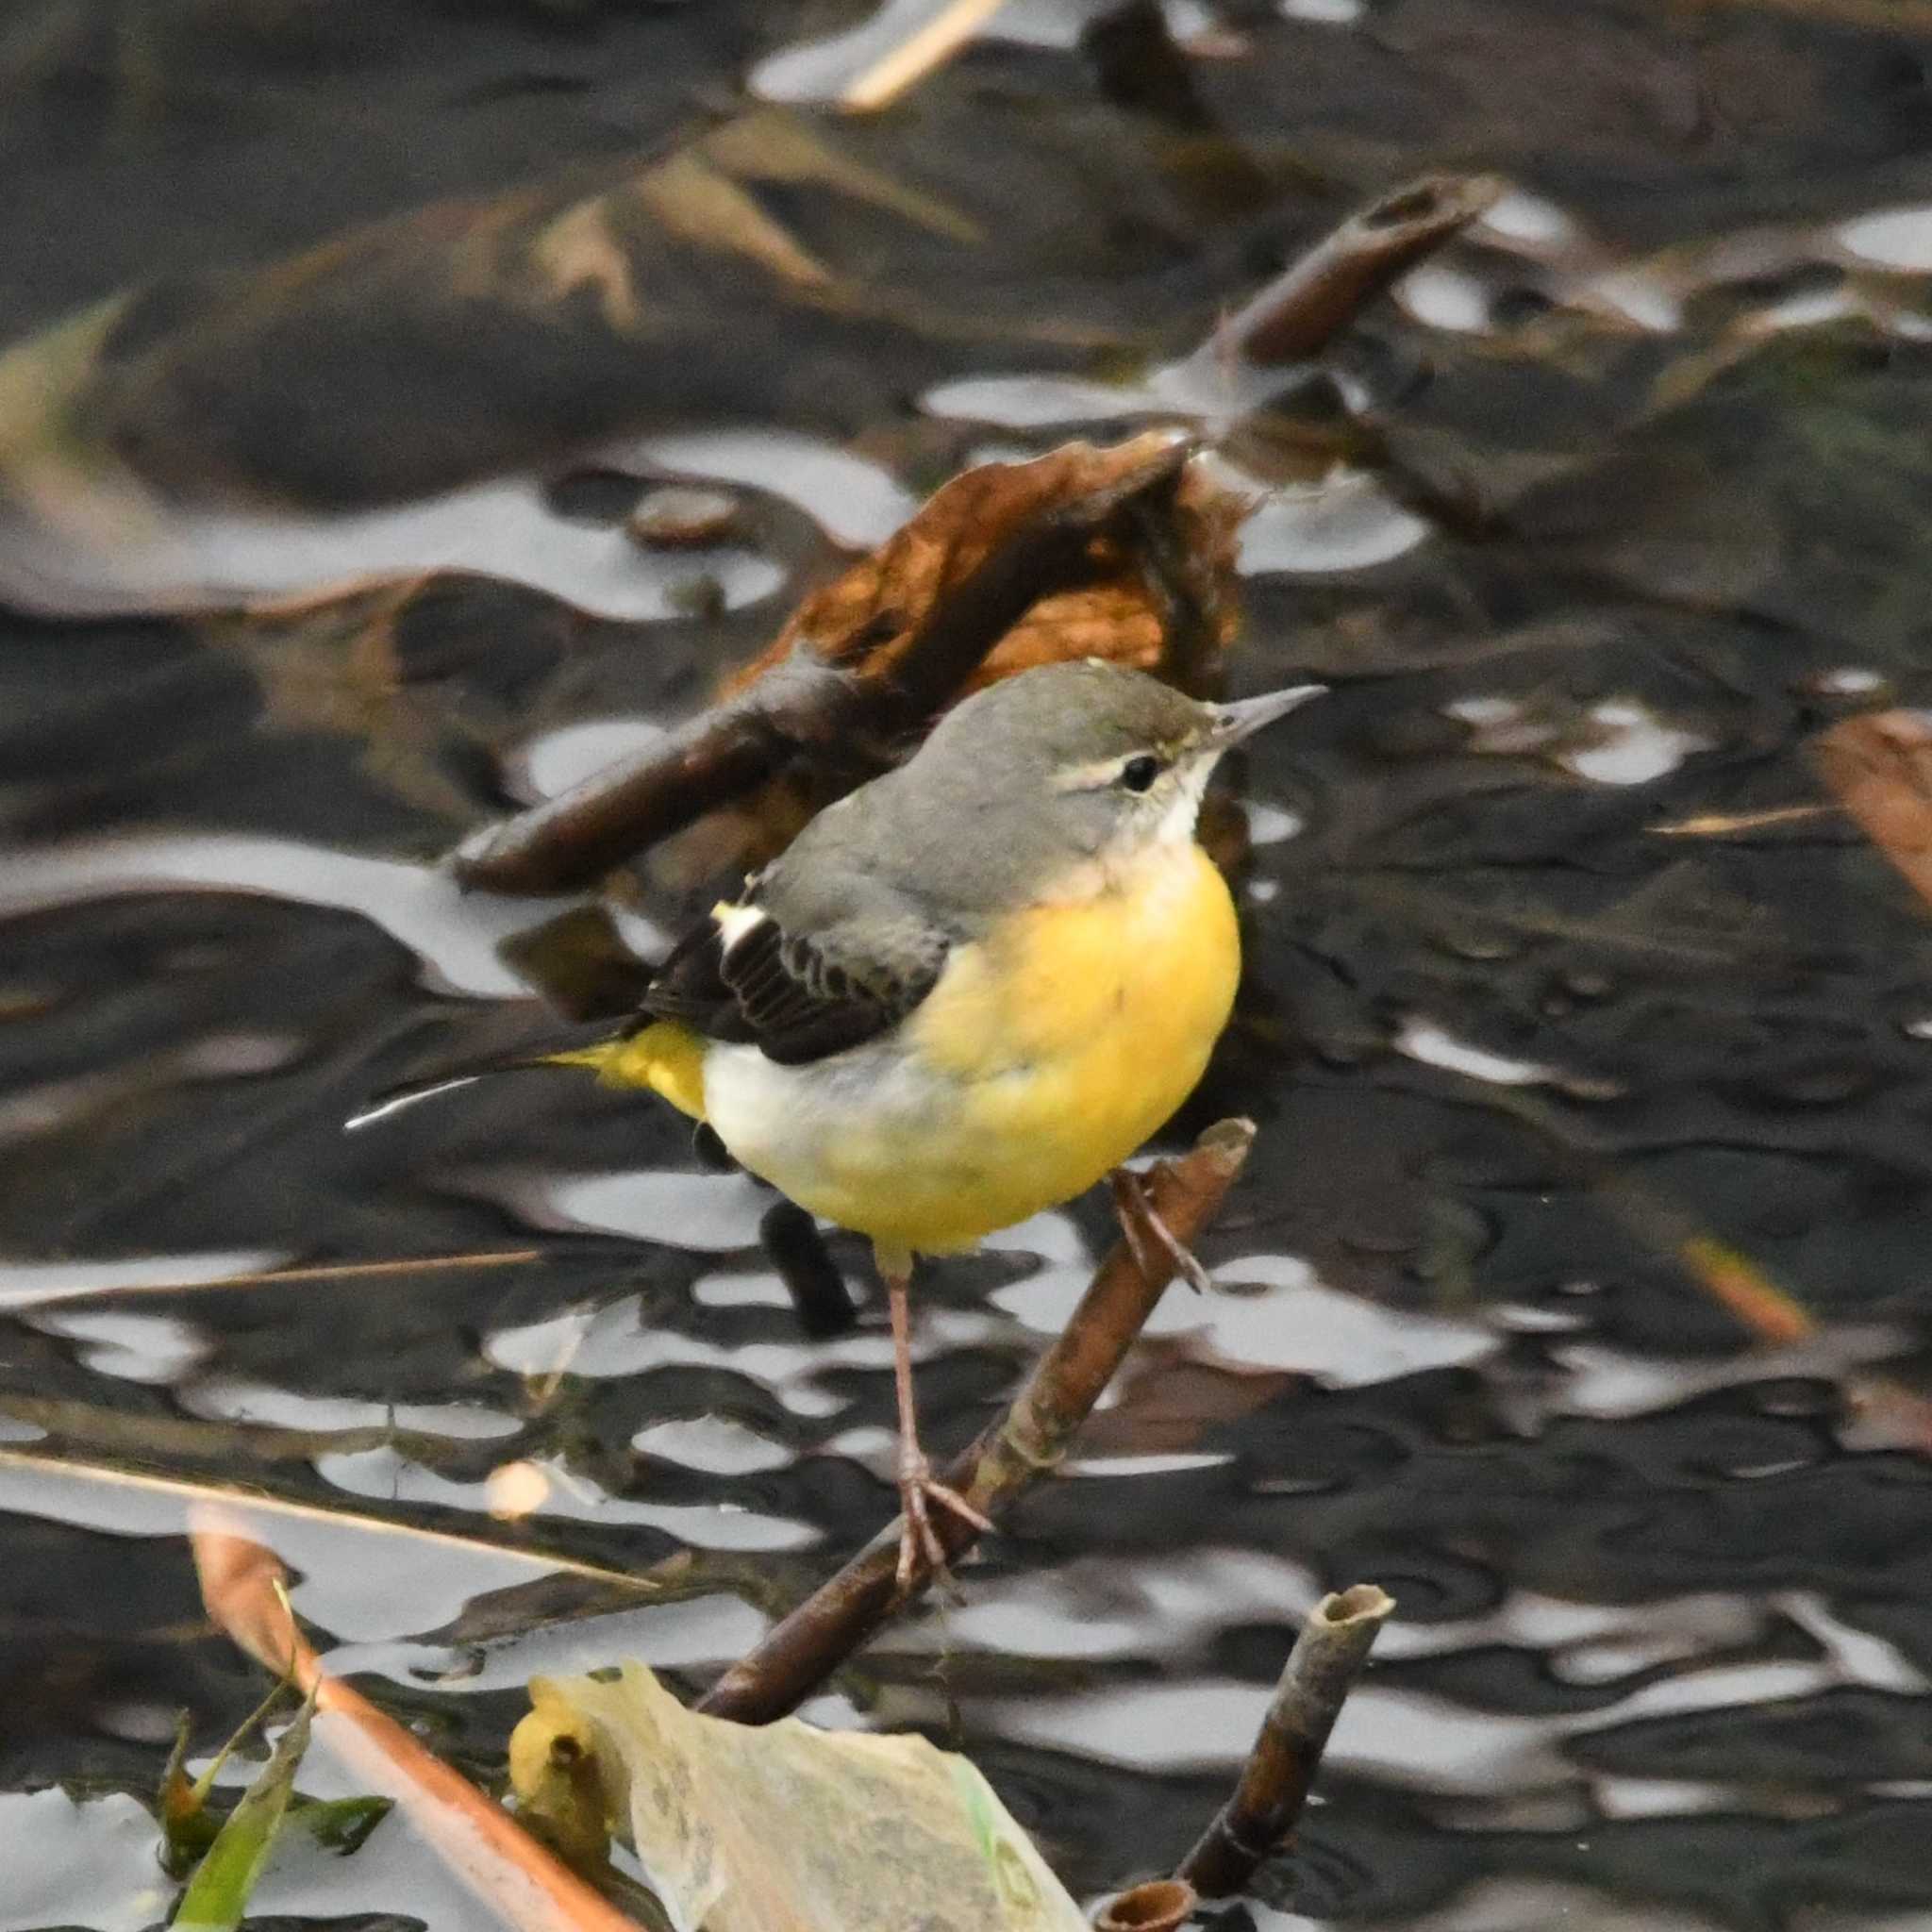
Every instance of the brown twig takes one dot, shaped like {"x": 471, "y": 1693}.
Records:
{"x": 1327, "y": 1658}
{"x": 573, "y": 838}
{"x": 1312, "y": 300}
{"x": 1030, "y": 1439}
{"x": 809, "y": 704}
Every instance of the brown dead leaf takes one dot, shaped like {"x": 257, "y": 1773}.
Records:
{"x": 1173, "y": 574}
{"x": 1879, "y": 768}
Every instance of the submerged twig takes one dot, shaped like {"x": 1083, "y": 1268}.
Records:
{"x": 1312, "y": 300}
{"x": 827, "y": 696}
{"x": 1327, "y": 1658}
{"x": 1767, "y": 1311}
{"x": 1029, "y": 1440}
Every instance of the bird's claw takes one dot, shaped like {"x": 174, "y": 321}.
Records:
{"x": 1137, "y": 1215}
{"x": 919, "y": 1492}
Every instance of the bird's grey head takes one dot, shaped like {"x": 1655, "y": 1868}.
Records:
{"x": 1090, "y": 759}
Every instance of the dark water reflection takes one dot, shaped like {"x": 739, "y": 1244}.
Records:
{"x": 1643, "y": 513}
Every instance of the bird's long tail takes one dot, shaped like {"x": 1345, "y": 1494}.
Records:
{"x": 662, "y": 1057}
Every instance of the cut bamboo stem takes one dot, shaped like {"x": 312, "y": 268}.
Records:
{"x": 1161, "y": 1904}
{"x": 1313, "y": 299}
{"x": 1322, "y": 1669}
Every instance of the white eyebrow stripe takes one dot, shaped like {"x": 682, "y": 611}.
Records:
{"x": 1091, "y": 777}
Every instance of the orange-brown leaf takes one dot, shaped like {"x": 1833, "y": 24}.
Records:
{"x": 1879, "y": 768}
{"x": 869, "y": 616}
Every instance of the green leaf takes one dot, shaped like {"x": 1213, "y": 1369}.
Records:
{"x": 338, "y": 1824}
{"x": 188, "y": 1829}
{"x": 217, "y": 1896}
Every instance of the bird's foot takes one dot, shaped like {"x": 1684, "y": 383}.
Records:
{"x": 920, "y": 1493}
{"x": 1139, "y": 1218}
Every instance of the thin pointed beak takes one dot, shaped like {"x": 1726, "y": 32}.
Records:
{"x": 1246, "y": 716}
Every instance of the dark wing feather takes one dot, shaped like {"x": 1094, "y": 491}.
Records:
{"x": 799, "y": 998}
{"x": 692, "y": 987}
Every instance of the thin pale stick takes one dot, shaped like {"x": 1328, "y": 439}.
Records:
{"x": 276, "y": 1277}
{"x": 931, "y": 45}
{"x": 1723, "y": 825}
{"x": 267, "y": 1508}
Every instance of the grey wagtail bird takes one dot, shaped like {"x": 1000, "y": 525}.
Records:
{"x": 968, "y": 991}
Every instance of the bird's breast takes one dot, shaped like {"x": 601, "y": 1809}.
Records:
{"x": 1116, "y": 996}
{"x": 1047, "y": 1053}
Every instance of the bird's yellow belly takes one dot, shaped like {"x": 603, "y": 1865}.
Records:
{"x": 1041, "y": 1059}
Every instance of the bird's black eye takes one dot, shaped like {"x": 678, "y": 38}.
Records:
{"x": 1137, "y": 774}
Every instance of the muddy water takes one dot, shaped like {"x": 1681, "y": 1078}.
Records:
{"x": 1613, "y": 507}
